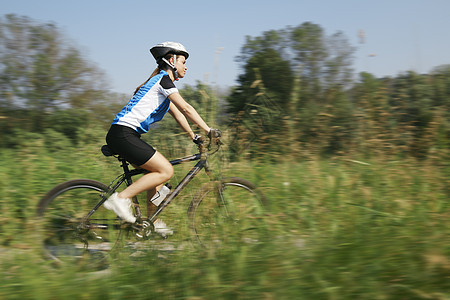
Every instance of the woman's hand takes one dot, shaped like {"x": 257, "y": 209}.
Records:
{"x": 198, "y": 139}
{"x": 214, "y": 133}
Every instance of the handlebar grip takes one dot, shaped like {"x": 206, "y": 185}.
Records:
{"x": 198, "y": 139}
{"x": 214, "y": 133}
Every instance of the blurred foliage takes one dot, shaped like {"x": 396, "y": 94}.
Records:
{"x": 41, "y": 70}
{"x": 45, "y": 83}
{"x": 336, "y": 229}
{"x": 294, "y": 97}
{"x": 312, "y": 107}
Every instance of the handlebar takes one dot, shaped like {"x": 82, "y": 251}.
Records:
{"x": 214, "y": 139}
{"x": 204, "y": 148}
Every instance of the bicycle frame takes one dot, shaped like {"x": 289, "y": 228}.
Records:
{"x": 203, "y": 163}
{"x": 127, "y": 175}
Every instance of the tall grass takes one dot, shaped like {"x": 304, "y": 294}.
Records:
{"x": 336, "y": 229}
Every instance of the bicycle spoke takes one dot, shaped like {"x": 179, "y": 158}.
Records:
{"x": 68, "y": 235}
{"x": 227, "y": 213}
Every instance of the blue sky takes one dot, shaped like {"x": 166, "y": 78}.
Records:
{"x": 401, "y": 35}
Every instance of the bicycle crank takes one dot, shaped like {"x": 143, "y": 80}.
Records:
{"x": 145, "y": 231}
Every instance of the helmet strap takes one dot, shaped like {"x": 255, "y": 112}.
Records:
{"x": 173, "y": 66}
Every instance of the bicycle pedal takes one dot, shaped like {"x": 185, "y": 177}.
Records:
{"x": 146, "y": 230}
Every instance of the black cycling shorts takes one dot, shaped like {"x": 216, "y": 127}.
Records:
{"x": 127, "y": 142}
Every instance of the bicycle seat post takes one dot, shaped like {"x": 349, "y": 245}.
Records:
{"x": 126, "y": 169}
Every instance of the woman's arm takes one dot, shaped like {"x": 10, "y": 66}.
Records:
{"x": 181, "y": 120}
{"x": 186, "y": 111}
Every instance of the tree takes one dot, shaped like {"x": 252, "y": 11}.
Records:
{"x": 337, "y": 67}
{"x": 307, "y": 44}
{"x": 319, "y": 66}
{"x": 440, "y": 80}
{"x": 275, "y": 74}
{"x": 41, "y": 74}
{"x": 321, "y": 62}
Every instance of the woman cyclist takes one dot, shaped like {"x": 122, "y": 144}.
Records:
{"x": 150, "y": 102}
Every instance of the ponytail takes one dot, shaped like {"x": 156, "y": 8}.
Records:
{"x": 155, "y": 72}
{"x": 161, "y": 66}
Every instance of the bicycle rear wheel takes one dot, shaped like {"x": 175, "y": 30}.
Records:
{"x": 68, "y": 235}
{"x": 227, "y": 211}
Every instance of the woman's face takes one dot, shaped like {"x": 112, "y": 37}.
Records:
{"x": 181, "y": 66}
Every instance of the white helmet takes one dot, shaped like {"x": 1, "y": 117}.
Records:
{"x": 160, "y": 50}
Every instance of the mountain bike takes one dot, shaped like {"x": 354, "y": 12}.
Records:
{"x": 75, "y": 222}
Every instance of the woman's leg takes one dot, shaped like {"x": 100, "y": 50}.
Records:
{"x": 160, "y": 171}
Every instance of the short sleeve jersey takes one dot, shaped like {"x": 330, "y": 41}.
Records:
{"x": 148, "y": 105}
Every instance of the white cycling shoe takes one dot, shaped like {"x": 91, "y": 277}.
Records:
{"x": 161, "y": 228}
{"x": 121, "y": 206}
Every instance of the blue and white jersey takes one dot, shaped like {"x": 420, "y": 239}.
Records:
{"x": 148, "y": 105}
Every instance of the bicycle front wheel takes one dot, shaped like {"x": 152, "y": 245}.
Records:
{"x": 68, "y": 234}
{"x": 227, "y": 211}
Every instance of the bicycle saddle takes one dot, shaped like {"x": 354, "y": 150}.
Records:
{"x": 107, "y": 151}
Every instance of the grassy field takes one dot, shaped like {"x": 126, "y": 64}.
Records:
{"x": 336, "y": 229}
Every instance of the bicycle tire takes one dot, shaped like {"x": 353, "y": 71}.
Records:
{"x": 228, "y": 211}
{"x": 68, "y": 236}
